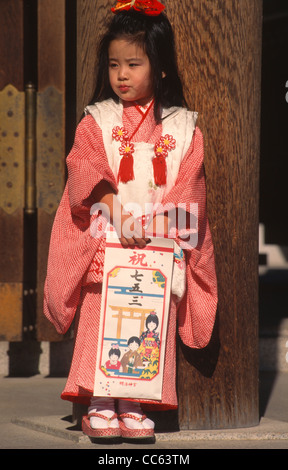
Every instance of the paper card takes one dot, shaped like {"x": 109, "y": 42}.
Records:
{"x": 134, "y": 316}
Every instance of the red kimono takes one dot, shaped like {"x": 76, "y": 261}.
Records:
{"x": 74, "y": 273}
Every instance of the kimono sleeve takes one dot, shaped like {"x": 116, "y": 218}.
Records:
{"x": 197, "y": 309}
{"x": 72, "y": 247}
{"x": 87, "y": 164}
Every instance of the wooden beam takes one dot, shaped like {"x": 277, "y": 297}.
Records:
{"x": 92, "y": 18}
{"x": 12, "y": 156}
{"x": 219, "y": 50}
{"x": 12, "y": 44}
{"x": 50, "y": 141}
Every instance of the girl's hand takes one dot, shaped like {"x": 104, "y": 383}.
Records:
{"x": 159, "y": 226}
{"x": 129, "y": 231}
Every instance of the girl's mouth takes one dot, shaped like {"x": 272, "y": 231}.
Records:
{"x": 123, "y": 88}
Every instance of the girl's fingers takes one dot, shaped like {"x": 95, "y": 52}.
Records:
{"x": 141, "y": 242}
{"x": 132, "y": 233}
{"x": 123, "y": 242}
{"x": 132, "y": 241}
{"x": 126, "y": 242}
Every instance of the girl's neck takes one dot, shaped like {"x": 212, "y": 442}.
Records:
{"x": 143, "y": 108}
{"x": 146, "y": 106}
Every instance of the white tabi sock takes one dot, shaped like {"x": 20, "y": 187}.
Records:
{"x": 105, "y": 406}
{"x": 134, "y": 408}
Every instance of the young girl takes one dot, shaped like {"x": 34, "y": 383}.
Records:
{"x": 114, "y": 356}
{"x": 149, "y": 339}
{"x": 137, "y": 143}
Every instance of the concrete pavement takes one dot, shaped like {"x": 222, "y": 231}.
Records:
{"x": 32, "y": 416}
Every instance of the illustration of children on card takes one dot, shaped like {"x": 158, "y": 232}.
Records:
{"x": 142, "y": 357}
{"x": 149, "y": 340}
{"x": 131, "y": 360}
{"x": 113, "y": 362}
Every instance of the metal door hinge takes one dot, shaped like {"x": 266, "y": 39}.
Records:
{"x": 32, "y": 151}
{"x": 12, "y": 149}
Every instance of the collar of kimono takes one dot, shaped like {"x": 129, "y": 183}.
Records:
{"x": 126, "y": 171}
{"x": 144, "y": 112}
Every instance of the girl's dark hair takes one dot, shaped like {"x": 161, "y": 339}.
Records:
{"x": 152, "y": 318}
{"x": 114, "y": 351}
{"x": 155, "y": 36}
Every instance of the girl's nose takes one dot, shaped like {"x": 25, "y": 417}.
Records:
{"x": 122, "y": 73}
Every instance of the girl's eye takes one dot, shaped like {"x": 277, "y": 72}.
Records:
{"x": 112, "y": 65}
{"x": 133, "y": 65}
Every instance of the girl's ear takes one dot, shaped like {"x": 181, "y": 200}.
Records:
{"x": 163, "y": 74}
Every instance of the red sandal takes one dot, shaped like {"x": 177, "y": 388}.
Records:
{"x": 134, "y": 433}
{"x": 101, "y": 432}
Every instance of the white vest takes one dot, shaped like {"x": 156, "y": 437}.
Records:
{"x": 177, "y": 122}
{"x": 141, "y": 193}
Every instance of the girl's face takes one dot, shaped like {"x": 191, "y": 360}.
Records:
{"x": 151, "y": 326}
{"x": 130, "y": 72}
{"x": 113, "y": 358}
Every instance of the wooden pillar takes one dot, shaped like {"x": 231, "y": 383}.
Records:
{"x": 92, "y": 18}
{"x": 50, "y": 170}
{"x": 219, "y": 50}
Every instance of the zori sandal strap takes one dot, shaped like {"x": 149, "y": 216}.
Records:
{"x": 100, "y": 433}
{"x": 135, "y": 433}
{"x": 99, "y": 415}
{"x": 132, "y": 416}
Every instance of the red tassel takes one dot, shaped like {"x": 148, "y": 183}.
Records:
{"x": 159, "y": 167}
{"x": 126, "y": 172}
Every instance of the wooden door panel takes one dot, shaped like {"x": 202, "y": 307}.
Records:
{"x": 50, "y": 172}
{"x": 31, "y": 178}
{"x": 12, "y": 154}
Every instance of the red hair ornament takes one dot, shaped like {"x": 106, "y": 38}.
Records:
{"x": 147, "y": 7}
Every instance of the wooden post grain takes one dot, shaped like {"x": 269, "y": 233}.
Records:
{"x": 219, "y": 50}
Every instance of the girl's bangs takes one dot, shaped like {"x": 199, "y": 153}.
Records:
{"x": 138, "y": 38}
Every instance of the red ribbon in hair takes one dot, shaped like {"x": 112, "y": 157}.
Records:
{"x": 148, "y": 7}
